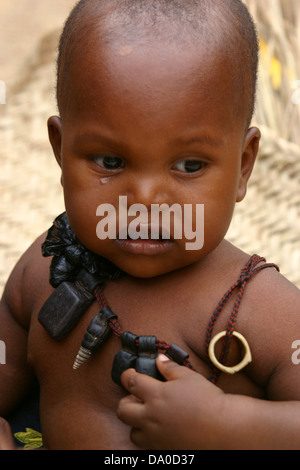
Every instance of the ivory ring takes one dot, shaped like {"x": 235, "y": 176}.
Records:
{"x": 229, "y": 370}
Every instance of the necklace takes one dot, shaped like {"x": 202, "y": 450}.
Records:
{"x": 78, "y": 276}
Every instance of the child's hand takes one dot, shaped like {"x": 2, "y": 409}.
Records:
{"x": 181, "y": 413}
{"x": 6, "y": 437}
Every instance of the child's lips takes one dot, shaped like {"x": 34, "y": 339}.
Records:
{"x": 146, "y": 231}
{"x": 145, "y": 247}
{"x": 153, "y": 240}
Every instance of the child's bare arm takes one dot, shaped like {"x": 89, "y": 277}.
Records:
{"x": 15, "y": 374}
{"x": 6, "y": 437}
{"x": 274, "y": 326}
{"x": 188, "y": 412}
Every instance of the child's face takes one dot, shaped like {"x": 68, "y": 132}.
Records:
{"x": 159, "y": 125}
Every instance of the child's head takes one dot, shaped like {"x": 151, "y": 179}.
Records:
{"x": 155, "y": 100}
{"x": 225, "y": 26}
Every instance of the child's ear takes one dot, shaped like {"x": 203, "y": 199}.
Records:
{"x": 250, "y": 151}
{"x": 55, "y": 136}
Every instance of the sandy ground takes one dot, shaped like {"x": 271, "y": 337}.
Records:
{"x": 22, "y": 24}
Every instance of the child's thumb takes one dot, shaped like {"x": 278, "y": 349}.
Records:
{"x": 170, "y": 370}
{"x": 6, "y": 437}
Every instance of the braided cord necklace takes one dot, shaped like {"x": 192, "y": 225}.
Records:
{"x": 78, "y": 276}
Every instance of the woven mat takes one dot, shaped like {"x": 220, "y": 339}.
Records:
{"x": 267, "y": 222}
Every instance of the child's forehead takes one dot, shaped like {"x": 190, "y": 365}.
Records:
{"x": 151, "y": 63}
{"x": 123, "y": 29}
{"x": 149, "y": 55}
{"x": 150, "y": 80}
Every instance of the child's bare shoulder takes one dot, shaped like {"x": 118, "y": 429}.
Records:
{"x": 271, "y": 292}
{"x": 28, "y": 281}
{"x": 271, "y": 320}
{"x": 272, "y": 306}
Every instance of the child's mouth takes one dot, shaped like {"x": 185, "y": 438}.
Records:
{"x": 147, "y": 244}
{"x": 145, "y": 247}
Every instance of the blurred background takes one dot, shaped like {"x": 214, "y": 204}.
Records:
{"x": 267, "y": 222}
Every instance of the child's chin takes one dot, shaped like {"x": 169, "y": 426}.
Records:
{"x": 149, "y": 274}
{"x": 147, "y": 270}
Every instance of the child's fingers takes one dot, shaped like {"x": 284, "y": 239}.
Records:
{"x": 130, "y": 411}
{"x": 171, "y": 370}
{"x": 145, "y": 387}
{"x": 137, "y": 436}
{"x": 140, "y": 385}
{"x": 6, "y": 437}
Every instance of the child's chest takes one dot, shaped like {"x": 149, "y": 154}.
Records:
{"x": 178, "y": 314}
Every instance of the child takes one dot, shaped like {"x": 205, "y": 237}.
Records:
{"x": 155, "y": 102}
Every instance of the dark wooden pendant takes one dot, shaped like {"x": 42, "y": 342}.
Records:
{"x": 64, "y": 308}
{"x": 138, "y": 353}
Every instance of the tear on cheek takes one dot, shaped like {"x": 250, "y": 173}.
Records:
{"x": 104, "y": 180}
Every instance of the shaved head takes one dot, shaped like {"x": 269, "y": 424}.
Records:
{"x": 223, "y": 26}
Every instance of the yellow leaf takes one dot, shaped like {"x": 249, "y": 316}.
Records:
{"x": 276, "y": 73}
{"x": 272, "y": 63}
{"x": 31, "y": 438}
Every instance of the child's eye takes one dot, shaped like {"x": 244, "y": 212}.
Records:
{"x": 189, "y": 166}
{"x": 109, "y": 162}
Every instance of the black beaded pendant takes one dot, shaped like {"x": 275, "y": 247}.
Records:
{"x": 139, "y": 353}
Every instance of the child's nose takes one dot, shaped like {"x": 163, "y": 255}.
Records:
{"x": 148, "y": 190}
